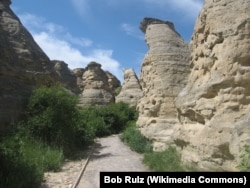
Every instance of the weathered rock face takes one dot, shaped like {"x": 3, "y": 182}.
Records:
{"x": 66, "y": 76}
{"x": 113, "y": 82}
{"x": 131, "y": 90}
{"x": 214, "y": 107}
{"x": 23, "y": 65}
{"x": 78, "y": 72}
{"x": 164, "y": 73}
{"x": 96, "y": 86}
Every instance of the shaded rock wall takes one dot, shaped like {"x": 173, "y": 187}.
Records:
{"x": 131, "y": 90}
{"x": 23, "y": 65}
{"x": 66, "y": 76}
{"x": 214, "y": 107}
{"x": 163, "y": 74}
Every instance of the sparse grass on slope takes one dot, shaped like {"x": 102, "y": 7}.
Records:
{"x": 135, "y": 140}
{"x": 168, "y": 160}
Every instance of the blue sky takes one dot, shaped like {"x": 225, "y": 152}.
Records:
{"x": 105, "y": 31}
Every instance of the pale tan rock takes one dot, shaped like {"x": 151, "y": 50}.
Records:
{"x": 163, "y": 74}
{"x": 96, "y": 86}
{"x": 214, "y": 109}
{"x": 131, "y": 90}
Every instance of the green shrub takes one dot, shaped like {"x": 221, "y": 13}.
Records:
{"x": 106, "y": 120}
{"x": 136, "y": 140}
{"x": 168, "y": 160}
{"x": 85, "y": 133}
{"x": 24, "y": 160}
{"x": 15, "y": 171}
{"x": 245, "y": 159}
{"x": 46, "y": 158}
{"x": 51, "y": 117}
{"x": 93, "y": 122}
{"x": 117, "y": 116}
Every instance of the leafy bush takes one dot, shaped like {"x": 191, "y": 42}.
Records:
{"x": 118, "y": 115}
{"x": 106, "y": 120}
{"x": 92, "y": 122}
{"x": 168, "y": 160}
{"x": 136, "y": 140}
{"x": 51, "y": 117}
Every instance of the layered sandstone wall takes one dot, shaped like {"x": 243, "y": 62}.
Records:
{"x": 131, "y": 90}
{"x": 163, "y": 74}
{"x": 97, "y": 87}
{"x": 214, "y": 107}
{"x": 23, "y": 65}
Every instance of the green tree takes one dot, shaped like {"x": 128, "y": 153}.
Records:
{"x": 51, "y": 117}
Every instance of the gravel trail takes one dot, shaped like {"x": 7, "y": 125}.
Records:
{"x": 110, "y": 154}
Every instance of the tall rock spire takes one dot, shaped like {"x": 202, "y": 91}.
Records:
{"x": 131, "y": 90}
{"x": 164, "y": 73}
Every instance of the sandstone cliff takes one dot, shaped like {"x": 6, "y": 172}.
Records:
{"x": 131, "y": 90}
{"x": 97, "y": 87}
{"x": 23, "y": 65}
{"x": 164, "y": 73}
{"x": 214, "y": 107}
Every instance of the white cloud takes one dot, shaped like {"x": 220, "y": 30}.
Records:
{"x": 36, "y": 23}
{"x": 108, "y": 63}
{"x": 59, "y": 44}
{"x": 60, "y": 50}
{"x": 84, "y": 42}
{"x": 132, "y": 30}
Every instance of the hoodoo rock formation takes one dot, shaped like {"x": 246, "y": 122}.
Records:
{"x": 163, "y": 75}
{"x": 23, "y": 65}
{"x": 96, "y": 86}
{"x": 131, "y": 90}
{"x": 214, "y": 107}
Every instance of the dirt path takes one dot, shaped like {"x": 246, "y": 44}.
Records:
{"x": 110, "y": 154}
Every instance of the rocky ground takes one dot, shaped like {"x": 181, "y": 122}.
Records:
{"x": 65, "y": 178}
{"x": 68, "y": 176}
